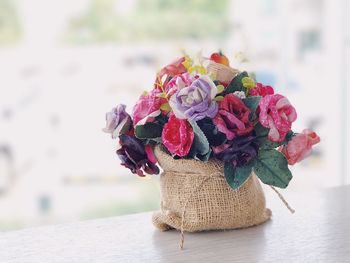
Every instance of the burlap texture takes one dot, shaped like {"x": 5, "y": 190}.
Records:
{"x": 200, "y": 190}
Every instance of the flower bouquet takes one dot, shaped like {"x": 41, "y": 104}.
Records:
{"x": 216, "y": 133}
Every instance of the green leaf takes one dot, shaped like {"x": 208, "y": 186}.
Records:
{"x": 252, "y": 103}
{"x": 161, "y": 119}
{"x": 260, "y": 130}
{"x": 149, "y": 131}
{"x": 289, "y": 136}
{"x": 272, "y": 168}
{"x": 265, "y": 143}
{"x": 153, "y": 141}
{"x": 236, "y": 84}
{"x": 236, "y": 176}
{"x": 200, "y": 148}
{"x": 263, "y": 140}
{"x": 202, "y": 144}
{"x": 203, "y": 157}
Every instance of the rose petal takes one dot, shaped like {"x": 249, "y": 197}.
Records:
{"x": 300, "y": 146}
{"x": 150, "y": 153}
{"x": 177, "y": 136}
{"x": 232, "y": 119}
{"x": 195, "y": 102}
{"x": 276, "y": 113}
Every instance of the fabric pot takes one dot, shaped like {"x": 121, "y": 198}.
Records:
{"x": 196, "y": 197}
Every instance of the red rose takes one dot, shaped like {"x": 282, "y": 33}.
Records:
{"x": 261, "y": 90}
{"x": 177, "y": 136}
{"x": 233, "y": 117}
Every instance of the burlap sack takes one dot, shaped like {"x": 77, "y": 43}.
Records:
{"x": 195, "y": 197}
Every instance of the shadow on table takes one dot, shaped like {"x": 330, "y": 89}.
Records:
{"x": 211, "y": 246}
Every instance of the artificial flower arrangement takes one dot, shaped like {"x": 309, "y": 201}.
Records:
{"x": 208, "y": 112}
{"x": 197, "y": 115}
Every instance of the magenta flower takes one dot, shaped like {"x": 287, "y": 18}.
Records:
{"x": 147, "y": 108}
{"x": 169, "y": 71}
{"x": 178, "y": 82}
{"x": 277, "y": 114}
{"x": 261, "y": 90}
{"x": 177, "y": 136}
{"x": 118, "y": 121}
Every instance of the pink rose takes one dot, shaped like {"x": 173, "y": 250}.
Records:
{"x": 177, "y": 136}
{"x": 261, "y": 90}
{"x": 173, "y": 69}
{"x": 276, "y": 113}
{"x": 233, "y": 117}
{"x": 147, "y": 108}
{"x": 178, "y": 82}
{"x": 300, "y": 146}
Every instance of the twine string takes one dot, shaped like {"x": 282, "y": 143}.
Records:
{"x": 283, "y": 200}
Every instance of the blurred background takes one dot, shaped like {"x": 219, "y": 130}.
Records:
{"x": 63, "y": 64}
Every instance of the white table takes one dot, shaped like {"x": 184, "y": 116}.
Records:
{"x": 319, "y": 231}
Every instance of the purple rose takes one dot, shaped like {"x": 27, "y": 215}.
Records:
{"x": 118, "y": 121}
{"x": 196, "y": 101}
{"x": 136, "y": 156}
{"x": 239, "y": 151}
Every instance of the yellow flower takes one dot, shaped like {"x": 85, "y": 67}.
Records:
{"x": 199, "y": 69}
{"x": 188, "y": 62}
{"x": 191, "y": 67}
{"x": 248, "y": 83}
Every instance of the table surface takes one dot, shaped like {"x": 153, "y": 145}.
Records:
{"x": 319, "y": 231}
